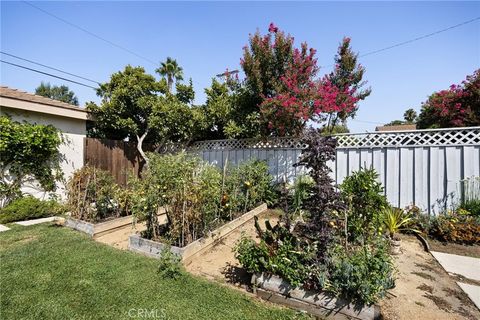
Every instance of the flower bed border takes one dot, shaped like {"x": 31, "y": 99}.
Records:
{"x": 153, "y": 248}
{"x": 102, "y": 228}
{"x": 275, "y": 289}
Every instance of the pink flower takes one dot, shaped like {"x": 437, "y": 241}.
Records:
{"x": 272, "y": 28}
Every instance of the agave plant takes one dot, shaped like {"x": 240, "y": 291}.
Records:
{"x": 395, "y": 220}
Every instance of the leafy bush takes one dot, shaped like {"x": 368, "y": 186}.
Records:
{"x": 363, "y": 275}
{"x": 170, "y": 264}
{"x": 472, "y": 206}
{"x": 471, "y": 196}
{"x": 27, "y": 208}
{"x": 28, "y": 153}
{"x": 456, "y": 228}
{"x": 301, "y": 191}
{"x": 93, "y": 195}
{"x": 314, "y": 253}
{"x": 364, "y": 195}
{"x": 196, "y": 195}
{"x": 248, "y": 185}
{"x": 279, "y": 252}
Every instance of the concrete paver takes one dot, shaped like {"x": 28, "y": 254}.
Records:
{"x": 468, "y": 267}
{"x": 35, "y": 221}
{"x": 473, "y": 292}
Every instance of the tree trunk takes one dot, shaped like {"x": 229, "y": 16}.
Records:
{"x": 140, "y": 146}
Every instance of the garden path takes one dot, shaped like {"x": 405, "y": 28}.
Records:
{"x": 467, "y": 267}
{"x": 424, "y": 290}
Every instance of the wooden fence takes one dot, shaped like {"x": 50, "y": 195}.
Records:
{"x": 120, "y": 158}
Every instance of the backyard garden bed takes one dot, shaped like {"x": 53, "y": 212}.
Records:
{"x": 105, "y": 227}
{"x": 154, "y": 248}
{"x": 275, "y": 289}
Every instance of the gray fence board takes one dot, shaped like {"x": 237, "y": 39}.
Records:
{"x": 421, "y": 167}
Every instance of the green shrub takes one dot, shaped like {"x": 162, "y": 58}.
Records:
{"x": 28, "y": 153}
{"x": 93, "y": 195}
{"x": 248, "y": 185}
{"x": 27, "y": 208}
{"x": 278, "y": 252}
{"x": 301, "y": 191}
{"x": 170, "y": 265}
{"x": 472, "y": 206}
{"x": 364, "y": 196}
{"x": 363, "y": 275}
{"x": 471, "y": 195}
{"x": 188, "y": 188}
{"x": 457, "y": 228}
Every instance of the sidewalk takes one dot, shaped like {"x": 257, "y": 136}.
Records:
{"x": 466, "y": 267}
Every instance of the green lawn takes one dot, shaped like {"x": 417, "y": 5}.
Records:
{"x": 50, "y": 272}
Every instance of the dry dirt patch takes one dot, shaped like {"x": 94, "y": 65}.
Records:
{"x": 424, "y": 290}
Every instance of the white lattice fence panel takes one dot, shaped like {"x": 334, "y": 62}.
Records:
{"x": 417, "y": 138}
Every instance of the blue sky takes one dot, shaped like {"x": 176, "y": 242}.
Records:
{"x": 207, "y": 37}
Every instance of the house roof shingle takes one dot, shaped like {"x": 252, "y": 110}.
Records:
{"x": 400, "y": 127}
{"x": 30, "y": 97}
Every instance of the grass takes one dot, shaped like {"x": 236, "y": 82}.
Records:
{"x": 50, "y": 272}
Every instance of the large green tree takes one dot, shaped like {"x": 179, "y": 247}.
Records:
{"x": 347, "y": 76}
{"x": 137, "y": 107}
{"x": 171, "y": 71}
{"x": 60, "y": 93}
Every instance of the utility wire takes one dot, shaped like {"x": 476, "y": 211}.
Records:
{"x": 413, "y": 40}
{"x": 48, "y": 74}
{"x": 420, "y": 37}
{"x": 92, "y": 34}
{"x": 45, "y": 66}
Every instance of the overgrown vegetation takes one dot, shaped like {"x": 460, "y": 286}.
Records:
{"x": 93, "y": 195}
{"x": 29, "y": 156}
{"x": 364, "y": 194}
{"x": 28, "y": 207}
{"x": 197, "y": 196}
{"x": 331, "y": 249}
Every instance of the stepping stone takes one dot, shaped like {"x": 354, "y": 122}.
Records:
{"x": 465, "y": 266}
{"x": 473, "y": 292}
{"x": 3, "y": 228}
{"x": 36, "y": 221}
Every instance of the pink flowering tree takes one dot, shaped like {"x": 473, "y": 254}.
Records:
{"x": 282, "y": 86}
{"x": 458, "y": 106}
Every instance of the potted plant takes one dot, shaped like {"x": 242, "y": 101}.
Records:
{"x": 395, "y": 220}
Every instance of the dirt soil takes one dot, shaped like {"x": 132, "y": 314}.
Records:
{"x": 453, "y": 248}
{"x": 219, "y": 262}
{"x": 424, "y": 290}
{"x": 119, "y": 238}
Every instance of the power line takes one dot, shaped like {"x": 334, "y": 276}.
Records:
{"x": 45, "y": 66}
{"x": 48, "y": 74}
{"x": 413, "y": 40}
{"x": 92, "y": 34}
{"x": 420, "y": 37}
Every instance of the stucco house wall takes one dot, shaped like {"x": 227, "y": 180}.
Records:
{"x": 70, "y": 120}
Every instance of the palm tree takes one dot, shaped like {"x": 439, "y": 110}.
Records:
{"x": 171, "y": 71}
{"x": 410, "y": 116}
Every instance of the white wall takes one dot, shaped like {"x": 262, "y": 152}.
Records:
{"x": 73, "y": 131}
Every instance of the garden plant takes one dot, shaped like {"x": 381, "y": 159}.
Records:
{"x": 197, "y": 196}
{"x": 331, "y": 250}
